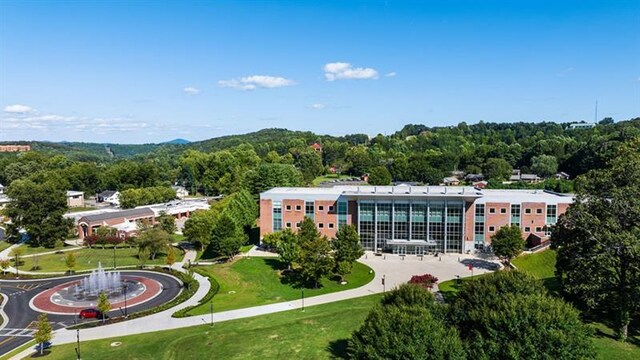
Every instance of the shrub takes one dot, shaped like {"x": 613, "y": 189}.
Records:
{"x": 427, "y": 280}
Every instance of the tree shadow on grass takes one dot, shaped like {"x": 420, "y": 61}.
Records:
{"x": 290, "y": 277}
{"x": 338, "y": 348}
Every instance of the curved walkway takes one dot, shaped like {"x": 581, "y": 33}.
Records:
{"x": 394, "y": 269}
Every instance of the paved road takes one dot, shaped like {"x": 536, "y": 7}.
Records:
{"x": 22, "y": 318}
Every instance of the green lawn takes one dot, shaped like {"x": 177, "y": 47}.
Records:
{"x": 89, "y": 259}
{"x": 542, "y": 266}
{"x": 245, "y": 248}
{"x": 4, "y": 245}
{"x": 328, "y": 177}
{"x": 30, "y": 250}
{"x": 257, "y": 281}
{"x": 178, "y": 237}
{"x": 80, "y": 209}
{"x": 320, "y": 332}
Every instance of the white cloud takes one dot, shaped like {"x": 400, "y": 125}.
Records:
{"x": 342, "y": 70}
{"x": 191, "y": 90}
{"x": 256, "y": 81}
{"x": 59, "y": 123}
{"x": 564, "y": 72}
{"x": 17, "y": 109}
{"x": 318, "y": 106}
{"x": 390, "y": 74}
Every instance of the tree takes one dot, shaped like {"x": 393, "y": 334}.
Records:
{"x": 103, "y": 305}
{"x": 4, "y": 265}
{"x": 314, "y": 259}
{"x": 198, "y": 228}
{"x": 310, "y": 164}
{"x": 407, "y": 332}
{"x": 598, "y": 240}
{"x": 38, "y": 208}
{"x": 171, "y": 256}
{"x": 16, "y": 255}
{"x": 288, "y": 247}
{"x": 544, "y": 165}
{"x": 272, "y": 240}
{"x": 43, "y": 331}
{"x": 346, "y": 249}
{"x": 426, "y": 281}
{"x": 527, "y": 327}
{"x": 268, "y": 176}
{"x": 497, "y": 169}
{"x": 226, "y": 237}
{"x": 153, "y": 241}
{"x": 70, "y": 261}
{"x": 409, "y": 295}
{"x": 167, "y": 223}
{"x": 379, "y": 175}
{"x": 507, "y": 242}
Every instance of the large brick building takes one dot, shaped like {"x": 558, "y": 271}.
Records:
{"x": 15, "y": 148}
{"x": 414, "y": 219}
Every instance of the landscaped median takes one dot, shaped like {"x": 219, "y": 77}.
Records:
{"x": 256, "y": 281}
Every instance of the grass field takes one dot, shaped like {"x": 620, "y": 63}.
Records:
{"x": 4, "y": 245}
{"x": 542, "y": 266}
{"x": 328, "y": 177}
{"x": 257, "y": 281}
{"x": 89, "y": 259}
{"x": 80, "y": 209}
{"x": 30, "y": 250}
{"x": 320, "y": 332}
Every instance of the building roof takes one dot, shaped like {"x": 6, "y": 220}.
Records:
{"x": 177, "y": 207}
{"x": 71, "y": 193}
{"x": 451, "y": 179}
{"x": 464, "y": 192}
{"x": 107, "y": 193}
{"x": 131, "y": 213}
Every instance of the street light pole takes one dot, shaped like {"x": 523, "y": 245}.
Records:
{"x": 302, "y": 299}
{"x": 17, "y": 271}
{"x": 78, "y": 343}
{"x": 114, "y": 256}
{"x": 124, "y": 287}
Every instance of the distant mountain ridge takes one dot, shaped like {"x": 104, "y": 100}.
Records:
{"x": 178, "y": 141}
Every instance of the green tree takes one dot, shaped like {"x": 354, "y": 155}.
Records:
{"x": 272, "y": 240}
{"x": 407, "y": 332}
{"x": 310, "y": 164}
{"x": 226, "y": 237}
{"x": 267, "y": 176}
{"x": 409, "y": 295}
{"x": 288, "y": 247}
{"x": 198, "y": 228}
{"x": 346, "y": 249}
{"x": 379, "y": 175}
{"x": 167, "y": 223}
{"x": 43, "y": 331}
{"x": 70, "y": 261}
{"x": 507, "y": 242}
{"x": 528, "y": 327}
{"x": 103, "y": 305}
{"x": 16, "y": 255}
{"x": 4, "y": 265}
{"x": 314, "y": 259}
{"x": 598, "y": 239}
{"x": 544, "y": 165}
{"x": 153, "y": 241}
{"x": 497, "y": 169}
{"x": 38, "y": 208}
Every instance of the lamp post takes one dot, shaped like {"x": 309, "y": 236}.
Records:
{"x": 211, "y": 311}
{"x": 124, "y": 290}
{"x": 78, "y": 344}
{"x": 302, "y": 299}
{"x": 114, "y": 256}
{"x": 17, "y": 264}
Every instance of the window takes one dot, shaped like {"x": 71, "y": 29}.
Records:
{"x": 342, "y": 213}
{"x": 298, "y": 225}
{"x": 330, "y": 225}
{"x": 552, "y": 214}
{"x": 320, "y": 225}
{"x": 503, "y": 211}
{"x": 288, "y": 225}
{"x": 277, "y": 216}
{"x": 515, "y": 214}
{"x": 308, "y": 209}
{"x": 288, "y": 207}
{"x": 492, "y": 210}
{"x": 492, "y": 228}
{"x": 330, "y": 208}
{"x": 479, "y": 226}
{"x": 527, "y": 211}
{"x": 538, "y": 229}
{"x": 527, "y": 229}
{"x": 538, "y": 211}
{"x": 320, "y": 208}
{"x": 298, "y": 207}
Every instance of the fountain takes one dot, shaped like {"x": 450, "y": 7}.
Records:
{"x": 97, "y": 282}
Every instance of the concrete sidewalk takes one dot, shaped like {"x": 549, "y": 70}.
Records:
{"x": 394, "y": 269}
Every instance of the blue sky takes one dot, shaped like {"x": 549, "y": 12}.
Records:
{"x": 151, "y": 71}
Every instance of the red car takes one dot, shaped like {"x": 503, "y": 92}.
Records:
{"x": 90, "y": 314}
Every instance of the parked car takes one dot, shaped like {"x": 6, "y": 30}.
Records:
{"x": 90, "y": 314}
{"x": 45, "y": 345}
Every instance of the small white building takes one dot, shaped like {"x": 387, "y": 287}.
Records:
{"x": 582, "y": 126}
{"x": 111, "y": 197}
{"x": 75, "y": 199}
{"x": 181, "y": 192}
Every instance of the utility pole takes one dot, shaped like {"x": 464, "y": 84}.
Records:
{"x": 78, "y": 344}
{"x": 211, "y": 311}
{"x": 302, "y": 299}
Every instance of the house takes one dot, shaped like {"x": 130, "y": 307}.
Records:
{"x": 111, "y": 197}
{"x": 15, "y": 148}
{"x": 474, "y": 177}
{"x": 582, "y": 126}
{"x": 458, "y": 174}
{"x": 333, "y": 170}
{"x": 516, "y": 175}
{"x": 88, "y": 224}
{"x": 317, "y": 147}
{"x": 75, "y": 199}
{"x": 560, "y": 176}
{"x": 4, "y": 200}
{"x": 1, "y": 189}
{"x": 364, "y": 177}
{"x": 480, "y": 184}
{"x": 181, "y": 192}
{"x": 451, "y": 181}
